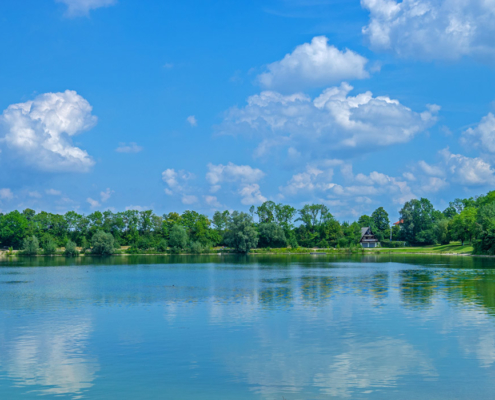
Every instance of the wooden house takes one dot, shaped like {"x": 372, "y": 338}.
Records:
{"x": 368, "y": 240}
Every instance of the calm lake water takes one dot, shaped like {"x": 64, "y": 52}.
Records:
{"x": 300, "y": 327}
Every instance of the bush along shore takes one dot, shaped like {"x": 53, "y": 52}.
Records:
{"x": 466, "y": 226}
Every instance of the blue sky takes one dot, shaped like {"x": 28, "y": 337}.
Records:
{"x": 212, "y": 105}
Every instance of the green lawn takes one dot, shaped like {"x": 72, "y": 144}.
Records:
{"x": 454, "y": 247}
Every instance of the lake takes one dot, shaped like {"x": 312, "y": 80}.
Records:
{"x": 256, "y": 327}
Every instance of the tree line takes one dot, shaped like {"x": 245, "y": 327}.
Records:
{"x": 270, "y": 225}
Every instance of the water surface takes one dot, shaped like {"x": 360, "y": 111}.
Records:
{"x": 299, "y": 327}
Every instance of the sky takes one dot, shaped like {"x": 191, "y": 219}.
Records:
{"x": 212, "y": 104}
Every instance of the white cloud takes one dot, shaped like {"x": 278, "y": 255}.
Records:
{"x": 137, "y": 208}
{"x": 93, "y": 203}
{"x": 192, "y": 120}
{"x": 35, "y": 195}
{"x": 431, "y": 170}
{"x": 6, "y": 194}
{"x": 106, "y": 195}
{"x": 333, "y": 120}
{"x": 314, "y": 64}
{"x": 233, "y": 173}
{"x": 434, "y": 184}
{"x": 132, "y": 147}
{"x": 189, "y": 199}
{"x": 38, "y": 132}
{"x": 482, "y": 136}
{"x": 176, "y": 180}
{"x": 244, "y": 177}
{"x": 317, "y": 180}
{"x": 409, "y": 176}
{"x": 76, "y": 8}
{"x": 432, "y": 29}
{"x": 53, "y": 192}
{"x": 468, "y": 171}
{"x": 212, "y": 201}
{"x": 251, "y": 195}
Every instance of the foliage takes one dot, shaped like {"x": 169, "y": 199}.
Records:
{"x": 49, "y": 246}
{"x": 178, "y": 238}
{"x": 196, "y": 248}
{"x": 162, "y": 246}
{"x": 103, "y": 244}
{"x": 30, "y": 246}
{"x": 71, "y": 249}
{"x": 241, "y": 234}
{"x": 271, "y": 235}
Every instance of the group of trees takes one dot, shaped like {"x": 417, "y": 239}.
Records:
{"x": 269, "y": 225}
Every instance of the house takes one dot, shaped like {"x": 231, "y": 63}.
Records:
{"x": 399, "y": 223}
{"x": 368, "y": 240}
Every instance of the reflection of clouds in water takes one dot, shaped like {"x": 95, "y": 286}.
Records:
{"x": 373, "y": 365}
{"x": 51, "y": 355}
{"x": 290, "y": 367}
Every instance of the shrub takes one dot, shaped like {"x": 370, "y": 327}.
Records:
{"x": 49, "y": 247}
{"x": 31, "y": 246}
{"x": 71, "y": 249}
{"x": 196, "y": 248}
{"x": 162, "y": 246}
{"x": 394, "y": 244}
{"x": 103, "y": 244}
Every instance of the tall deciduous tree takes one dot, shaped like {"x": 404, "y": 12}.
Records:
{"x": 241, "y": 234}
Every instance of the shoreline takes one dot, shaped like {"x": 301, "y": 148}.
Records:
{"x": 365, "y": 253}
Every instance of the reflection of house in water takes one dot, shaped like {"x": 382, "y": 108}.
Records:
{"x": 368, "y": 240}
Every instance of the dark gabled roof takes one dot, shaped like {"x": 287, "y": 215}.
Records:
{"x": 363, "y": 232}
{"x": 367, "y": 230}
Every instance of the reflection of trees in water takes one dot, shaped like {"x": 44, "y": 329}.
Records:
{"x": 417, "y": 287}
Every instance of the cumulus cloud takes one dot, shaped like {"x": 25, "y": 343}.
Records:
{"x": 333, "y": 120}
{"x": 177, "y": 185}
{"x": 77, "y": 8}
{"x": 432, "y": 29}
{"x": 93, "y": 203}
{"x": 482, "y": 136}
{"x": 6, "y": 194}
{"x": 244, "y": 177}
{"x": 317, "y": 181}
{"x": 192, "y": 120}
{"x": 132, "y": 147}
{"x": 233, "y": 173}
{"x": 468, "y": 171}
{"x": 38, "y": 132}
{"x": 314, "y": 64}
{"x": 212, "y": 201}
{"x": 453, "y": 168}
{"x": 251, "y": 194}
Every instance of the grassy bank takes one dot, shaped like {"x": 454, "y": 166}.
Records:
{"x": 452, "y": 248}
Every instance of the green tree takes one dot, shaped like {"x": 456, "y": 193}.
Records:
{"x": 178, "y": 238}
{"x": 103, "y": 244}
{"x": 31, "y": 246}
{"x": 312, "y": 216}
{"x": 418, "y": 218}
{"x": 380, "y": 224}
{"x": 271, "y": 235}
{"x": 13, "y": 229}
{"x": 49, "y": 246}
{"x": 464, "y": 226}
{"x": 241, "y": 234}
